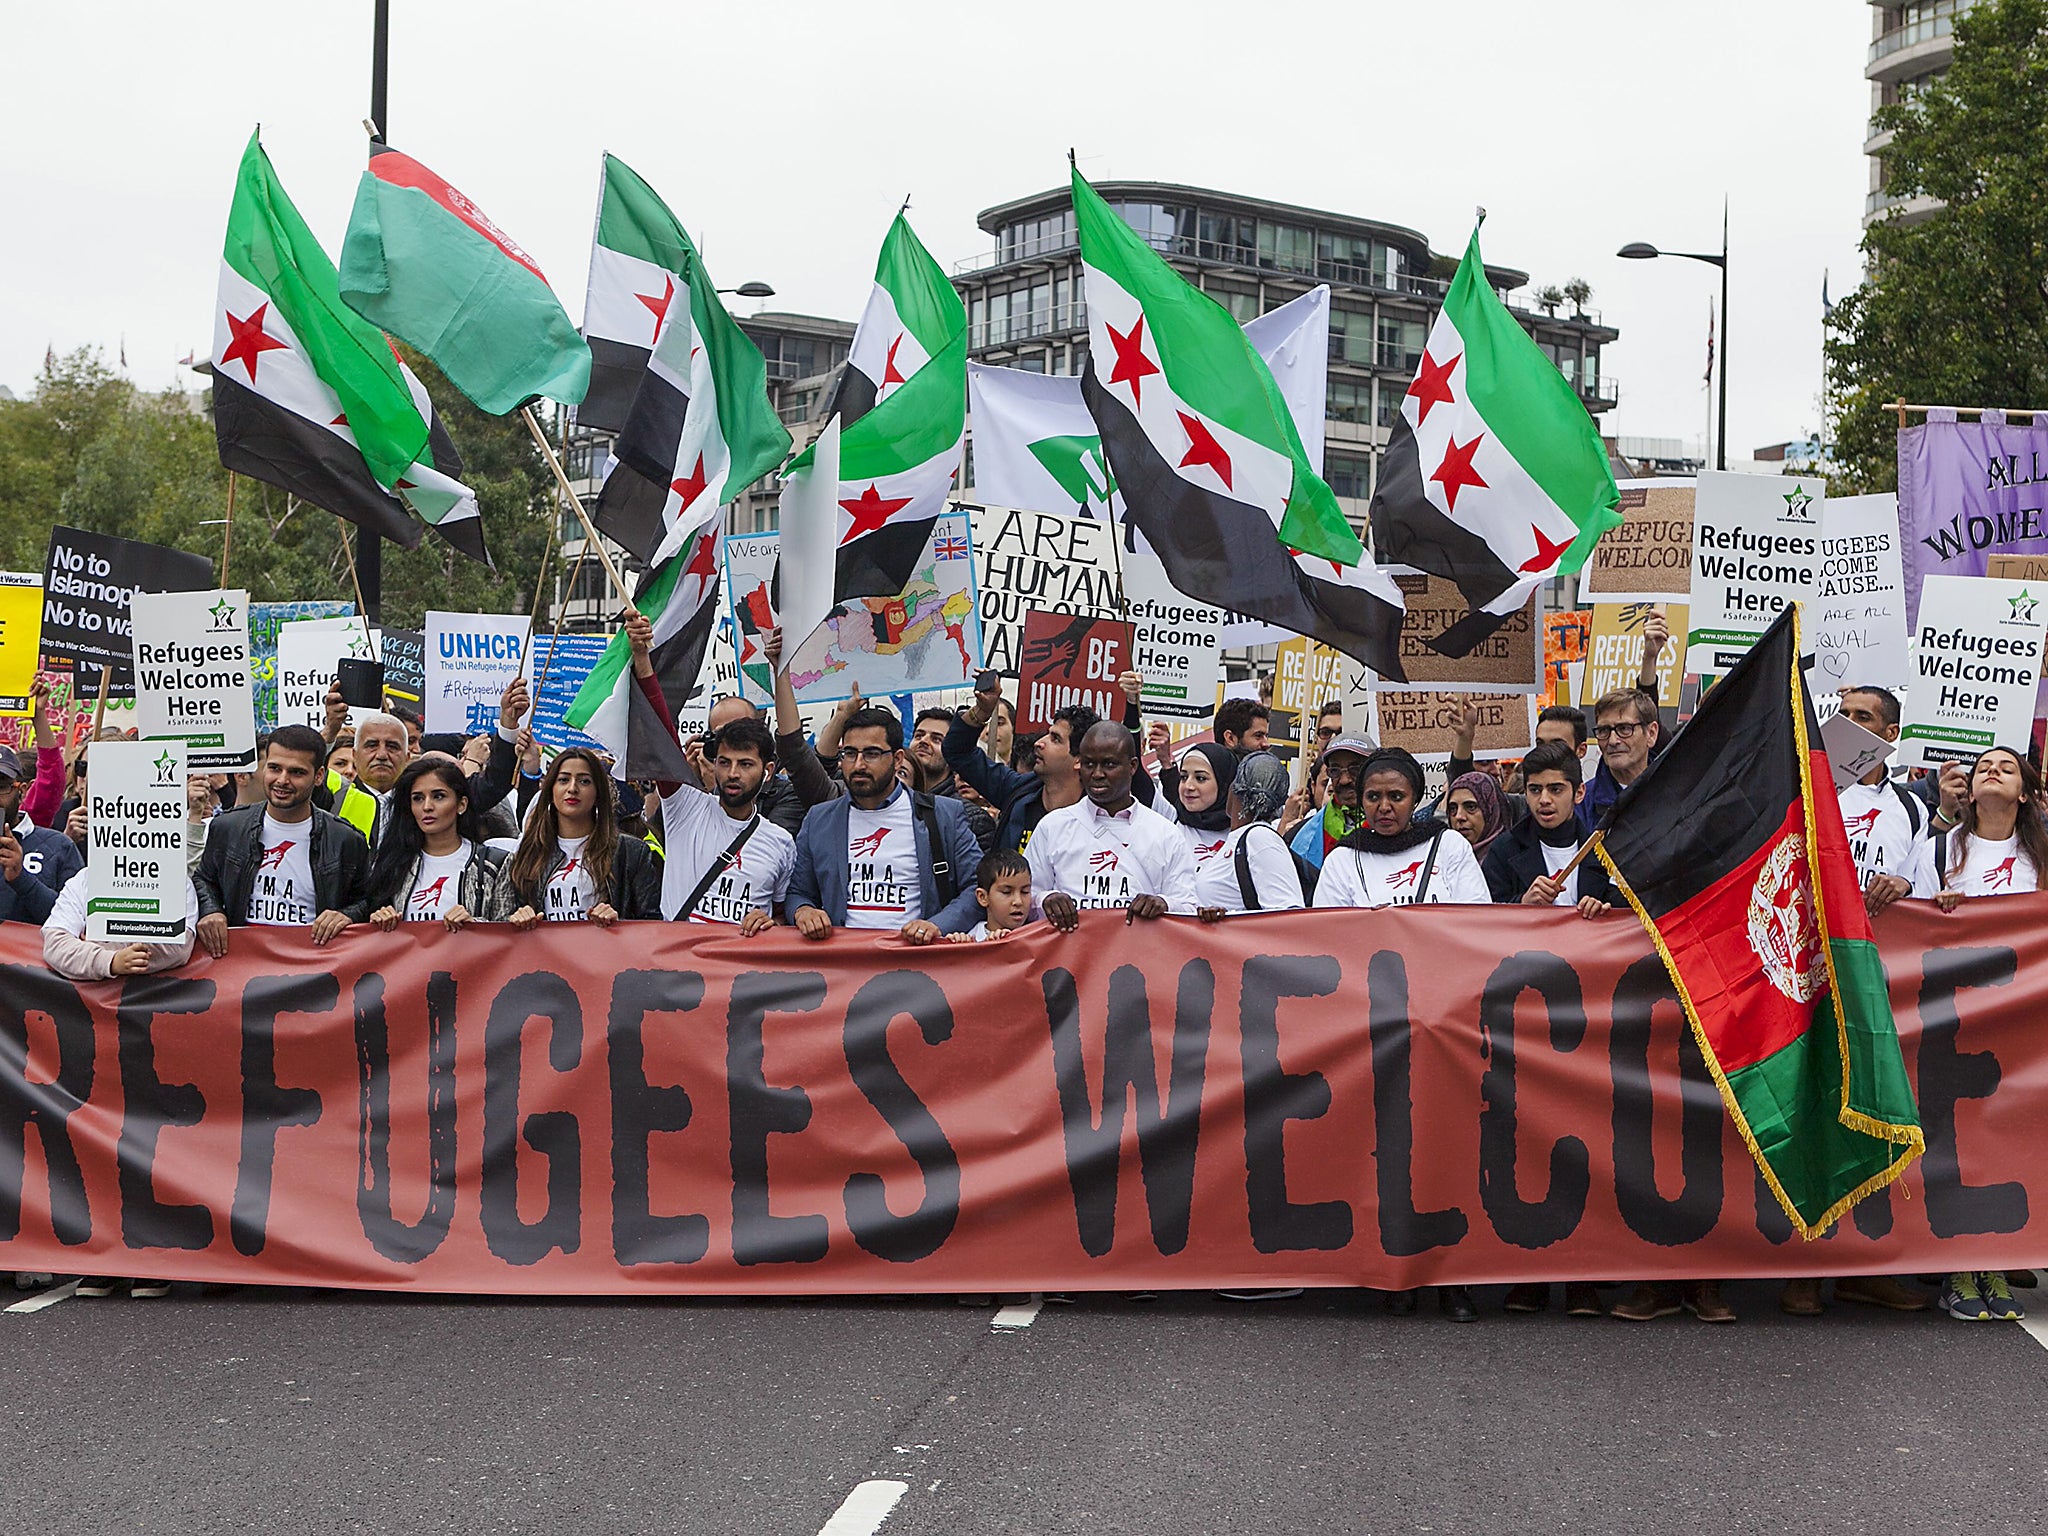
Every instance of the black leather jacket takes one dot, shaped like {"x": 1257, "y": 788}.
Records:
{"x": 234, "y": 847}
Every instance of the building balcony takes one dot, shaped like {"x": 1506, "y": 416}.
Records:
{"x": 1601, "y": 394}
{"x": 1908, "y": 210}
{"x": 1907, "y": 52}
{"x": 1053, "y": 320}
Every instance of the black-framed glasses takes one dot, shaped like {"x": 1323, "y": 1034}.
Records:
{"x": 865, "y": 754}
{"x": 1620, "y": 730}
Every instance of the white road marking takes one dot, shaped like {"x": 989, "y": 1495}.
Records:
{"x": 1019, "y": 1316}
{"x": 864, "y": 1509}
{"x": 2037, "y": 1325}
{"x": 49, "y": 1298}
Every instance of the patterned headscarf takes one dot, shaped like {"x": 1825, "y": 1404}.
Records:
{"x": 1261, "y": 786}
{"x": 1493, "y": 810}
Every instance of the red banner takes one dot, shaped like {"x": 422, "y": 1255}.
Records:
{"x": 1324, "y": 1098}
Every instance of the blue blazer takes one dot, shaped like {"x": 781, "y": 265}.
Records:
{"x": 819, "y": 879}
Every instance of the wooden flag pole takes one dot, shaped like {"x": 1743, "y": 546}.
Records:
{"x": 555, "y": 639}
{"x": 1580, "y": 857}
{"x": 590, "y": 532}
{"x": 99, "y": 710}
{"x": 227, "y": 537}
{"x": 540, "y": 584}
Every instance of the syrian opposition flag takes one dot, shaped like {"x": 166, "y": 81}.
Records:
{"x": 701, "y": 429}
{"x": 681, "y": 597}
{"x": 1036, "y": 447}
{"x": 1495, "y": 476}
{"x": 912, "y": 313}
{"x": 1211, "y": 468}
{"x": 638, "y": 257}
{"x": 421, "y": 261}
{"x": 1732, "y": 851}
{"x": 309, "y": 397}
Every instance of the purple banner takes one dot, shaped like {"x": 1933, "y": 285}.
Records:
{"x": 1969, "y": 490}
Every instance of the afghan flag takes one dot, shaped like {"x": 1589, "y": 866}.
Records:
{"x": 1211, "y": 467}
{"x": 701, "y": 429}
{"x": 310, "y": 397}
{"x": 638, "y": 257}
{"x": 1495, "y": 476}
{"x": 1732, "y": 851}
{"x": 912, "y": 314}
{"x": 681, "y": 596}
{"x": 422, "y": 261}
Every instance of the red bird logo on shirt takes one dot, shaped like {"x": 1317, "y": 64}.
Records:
{"x": 430, "y": 895}
{"x": 273, "y": 858}
{"x": 569, "y": 869}
{"x": 1864, "y": 825}
{"x": 2000, "y": 874}
{"x": 1206, "y": 851}
{"x": 867, "y": 847}
{"x": 1102, "y": 861}
{"x": 1401, "y": 877}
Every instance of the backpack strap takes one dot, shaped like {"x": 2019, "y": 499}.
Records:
{"x": 718, "y": 867}
{"x": 1247, "y": 888}
{"x": 1941, "y": 859}
{"x": 945, "y": 883}
{"x": 1429, "y": 868}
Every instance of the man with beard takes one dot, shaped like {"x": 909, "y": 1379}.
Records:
{"x": 1343, "y": 762}
{"x": 1022, "y": 800}
{"x": 883, "y": 855}
{"x": 930, "y": 772}
{"x": 724, "y": 861}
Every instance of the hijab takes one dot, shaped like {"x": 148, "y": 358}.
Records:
{"x": 1223, "y": 766}
{"x": 1493, "y": 810}
{"x": 1261, "y": 786}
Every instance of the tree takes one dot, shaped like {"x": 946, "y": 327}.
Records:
{"x": 1954, "y": 309}
{"x": 1580, "y": 292}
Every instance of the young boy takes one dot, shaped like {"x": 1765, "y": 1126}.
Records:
{"x": 1523, "y": 863}
{"x": 1003, "y": 887}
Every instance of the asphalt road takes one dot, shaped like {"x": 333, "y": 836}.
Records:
{"x": 278, "y": 1411}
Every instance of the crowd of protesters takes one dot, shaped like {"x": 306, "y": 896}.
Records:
{"x": 963, "y": 830}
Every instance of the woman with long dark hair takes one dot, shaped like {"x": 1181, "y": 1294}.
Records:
{"x": 572, "y": 866}
{"x": 431, "y": 864}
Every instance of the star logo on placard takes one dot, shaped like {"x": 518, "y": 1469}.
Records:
{"x": 223, "y": 614}
{"x": 1797, "y": 502}
{"x": 165, "y": 764}
{"x": 2023, "y": 608}
{"x": 358, "y": 645}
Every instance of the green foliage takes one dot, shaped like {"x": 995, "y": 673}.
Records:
{"x": 91, "y": 451}
{"x": 1955, "y": 307}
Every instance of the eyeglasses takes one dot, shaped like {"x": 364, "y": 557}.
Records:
{"x": 1621, "y": 730}
{"x": 865, "y": 754}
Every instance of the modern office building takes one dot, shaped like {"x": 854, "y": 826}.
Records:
{"x": 803, "y": 354}
{"x": 1910, "y": 45}
{"x": 1025, "y": 308}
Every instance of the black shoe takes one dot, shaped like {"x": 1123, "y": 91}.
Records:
{"x": 1402, "y": 1303}
{"x": 1527, "y": 1298}
{"x": 1455, "y": 1302}
{"x": 1582, "y": 1300}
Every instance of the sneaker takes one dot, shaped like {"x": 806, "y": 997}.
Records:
{"x": 1526, "y": 1298}
{"x": 1277, "y": 1293}
{"x": 1997, "y": 1293}
{"x": 1880, "y": 1291}
{"x": 148, "y": 1290}
{"x": 1963, "y": 1301}
{"x": 97, "y": 1285}
{"x": 1582, "y": 1299}
{"x": 1649, "y": 1301}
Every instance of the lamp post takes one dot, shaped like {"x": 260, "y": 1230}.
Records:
{"x": 755, "y": 290}
{"x": 1639, "y": 251}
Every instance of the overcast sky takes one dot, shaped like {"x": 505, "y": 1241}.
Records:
{"x": 784, "y": 135}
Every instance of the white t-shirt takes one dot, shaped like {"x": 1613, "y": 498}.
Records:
{"x": 437, "y": 887}
{"x": 1882, "y": 840}
{"x": 571, "y": 893}
{"x": 1992, "y": 867}
{"x": 1274, "y": 876}
{"x": 1203, "y": 846}
{"x": 1102, "y": 860}
{"x": 281, "y": 896}
{"x": 1354, "y": 879}
{"x": 695, "y": 831}
{"x": 1555, "y": 859}
{"x": 882, "y": 885}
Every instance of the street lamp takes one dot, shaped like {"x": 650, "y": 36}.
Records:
{"x": 1639, "y": 251}
{"x": 755, "y": 290}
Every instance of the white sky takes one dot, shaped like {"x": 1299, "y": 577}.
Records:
{"x": 784, "y": 135}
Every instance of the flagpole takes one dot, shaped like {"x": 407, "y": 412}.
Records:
{"x": 1580, "y": 857}
{"x": 356, "y": 581}
{"x": 227, "y": 537}
{"x": 99, "y": 712}
{"x": 590, "y": 532}
{"x": 561, "y": 611}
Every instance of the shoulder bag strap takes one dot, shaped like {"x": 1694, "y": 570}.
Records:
{"x": 718, "y": 867}
{"x": 945, "y": 884}
{"x": 1247, "y": 888}
{"x": 1428, "y": 869}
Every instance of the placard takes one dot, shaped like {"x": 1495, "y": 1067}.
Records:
{"x": 719, "y": 678}
{"x": 1307, "y": 675}
{"x": 21, "y": 628}
{"x": 1976, "y": 669}
{"x": 266, "y": 622}
{"x": 404, "y": 654}
{"x": 1614, "y": 653}
{"x": 1856, "y": 623}
{"x": 1756, "y": 547}
{"x": 1425, "y": 721}
{"x": 1069, "y": 659}
{"x": 1508, "y": 660}
{"x": 560, "y": 664}
{"x": 307, "y": 653}
{"x": 1565, "y": 634}
{"x": 471, "y": 658}
{"x": 1968, "y": 492}
{"x": 88, "y": 581}
{"x": 1852, "y": 750}
{"x": 191, "y": 658}
{"x": 1178, "y": 644}
{"x": 135, "y": 842}
{"x": 1649, "y": 554}
{"x": 1027, "y": 560}
{"x": 919, "y": 640}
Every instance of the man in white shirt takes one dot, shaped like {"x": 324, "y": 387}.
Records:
{"x": 1107, "y": 850}
{"x": 1886, "y": 822}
